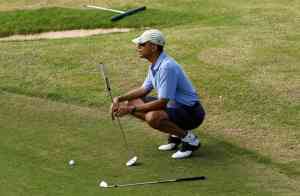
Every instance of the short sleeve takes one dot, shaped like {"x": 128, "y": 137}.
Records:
{"x": 147, "y": 85}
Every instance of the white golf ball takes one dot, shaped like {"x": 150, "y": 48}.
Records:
{"x": 71, "y": 162}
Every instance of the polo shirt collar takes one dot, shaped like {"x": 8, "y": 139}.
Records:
{"x": 156, "y": 65}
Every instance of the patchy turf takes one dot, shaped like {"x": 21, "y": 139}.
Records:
{"x": 243, "y": 57}
{"x": 55, "y": 132}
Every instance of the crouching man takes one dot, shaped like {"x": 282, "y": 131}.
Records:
{"x": 176, "y": 110}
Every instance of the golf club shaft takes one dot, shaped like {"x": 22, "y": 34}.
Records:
{"x": 159, "y": 181}
{"x": 108, "y": 88}
{"x": 105, "y": 9}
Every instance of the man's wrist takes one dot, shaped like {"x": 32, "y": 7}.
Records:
{"x": 133, "y": 110}
{"x": 123, "y": 98}
{"x": 120, "y": 98}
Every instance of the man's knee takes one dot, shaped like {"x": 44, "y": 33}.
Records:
{"x": 154, "y": 118}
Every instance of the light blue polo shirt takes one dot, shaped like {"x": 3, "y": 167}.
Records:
{"x": 170, "y": 81}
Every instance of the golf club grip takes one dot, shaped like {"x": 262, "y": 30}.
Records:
{"x": 191, "y": 178}
{"x": 101, "y": 67}
{"x": 127, "y": 13}
{"x": 107, "y": 84}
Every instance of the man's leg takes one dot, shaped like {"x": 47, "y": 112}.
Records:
{"x": 158, "y": 120}
{"x": 136, "y": 102}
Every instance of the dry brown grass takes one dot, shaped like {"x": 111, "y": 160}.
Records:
{"x": 225, "y": 56}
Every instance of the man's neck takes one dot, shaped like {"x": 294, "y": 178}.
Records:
{"x": 154, "y": 57}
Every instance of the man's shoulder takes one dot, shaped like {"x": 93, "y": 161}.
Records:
{"x": 169, "y": 63}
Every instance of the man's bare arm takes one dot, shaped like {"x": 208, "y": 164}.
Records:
{"x": 151, "y": 106}
{"x": 133, "y": 94}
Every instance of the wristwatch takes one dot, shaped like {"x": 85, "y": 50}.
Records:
{"x": 133, "y": 110}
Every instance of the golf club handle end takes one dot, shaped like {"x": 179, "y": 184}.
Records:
{"x": 191, "y": 178}
{"x": 127, "y": 13}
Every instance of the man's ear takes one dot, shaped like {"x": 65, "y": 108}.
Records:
{"x": 154, "y": 48}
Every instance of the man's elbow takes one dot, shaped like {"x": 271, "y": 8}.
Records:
{"x": 164, "y": 102}
{"x": 145, "y": 91}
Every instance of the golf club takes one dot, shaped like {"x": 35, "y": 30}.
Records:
{"x": 133, "y": 160}
{"x": 121, "y": 14}
{"x": 103, "y": 184}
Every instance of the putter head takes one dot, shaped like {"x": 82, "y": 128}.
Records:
{"x": 132, "y": 161}
{"x": 103, "y": 184}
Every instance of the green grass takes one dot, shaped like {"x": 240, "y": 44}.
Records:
{"x": 84, "y": 134}
{"x": 55, "y": 19}
{"x": 243, "y": 57}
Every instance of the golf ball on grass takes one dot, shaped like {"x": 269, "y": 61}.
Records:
{"x": 71, "y": 162}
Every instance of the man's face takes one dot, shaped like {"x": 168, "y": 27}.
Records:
{"x": 146, "y": 50}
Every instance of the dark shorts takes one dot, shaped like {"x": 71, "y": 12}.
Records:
{"x": 186, "y": 117}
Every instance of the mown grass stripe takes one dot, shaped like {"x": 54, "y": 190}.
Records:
{"x": 57, "y": 19}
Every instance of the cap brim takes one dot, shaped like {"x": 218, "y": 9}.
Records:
{"x": 137, "y": 40}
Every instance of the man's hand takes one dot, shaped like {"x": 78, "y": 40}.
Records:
{"x": 123, "y": 110}
{"x": 120, "y": 109}
{"x": 114, "y": 107}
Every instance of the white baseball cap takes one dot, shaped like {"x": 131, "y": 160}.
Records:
{"x": 153, "y": 35}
